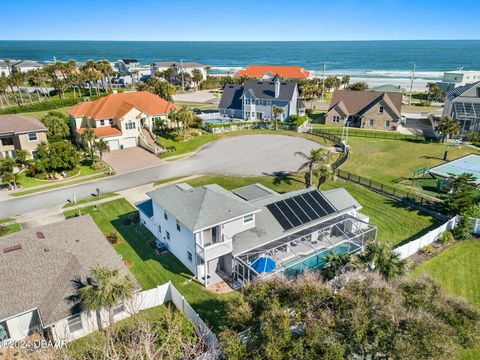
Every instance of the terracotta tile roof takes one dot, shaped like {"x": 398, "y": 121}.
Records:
{"x": 289, "y": 72}
{"x": 20, "y": 124}
{"x": 357, "y": 102}
{"x": 115, "y": 106}
{"x": 101, "y": 132}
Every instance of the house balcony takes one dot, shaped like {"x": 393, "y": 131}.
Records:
{"x": 216, "y": 250}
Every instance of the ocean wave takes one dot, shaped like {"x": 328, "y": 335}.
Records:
{"x": 387, "y": 74}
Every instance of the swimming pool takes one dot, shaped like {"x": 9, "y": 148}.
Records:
{"x": 219, "y": 121}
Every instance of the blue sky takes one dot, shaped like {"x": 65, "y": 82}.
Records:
{"x": 240, "y": 20}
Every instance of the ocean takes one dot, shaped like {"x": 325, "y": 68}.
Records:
{"x": 359, "y": 59}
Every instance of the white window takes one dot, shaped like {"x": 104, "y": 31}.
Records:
{"x": 102, "y": 122}
{"x": 189, "y": 254}
{"x": 381, "y": 109}
{"x": 168, "y": 235}
{"x": 248, "y": 218}
{"x": 32, "y": 136}
{"x": 371, "y": 122}
{"x": 7, "y": 141}
{"x": 75, "y": 323}
{"x": 247, "y": 114}
{"x": 336, "y": 119}
{"x": 387, "y": 123}
{"x": 110, "y": 121}
{"x": 259, "y": 115}
{"x": 130, "y": 125}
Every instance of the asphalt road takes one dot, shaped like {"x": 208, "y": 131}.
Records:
{"x": 243, "y": 156}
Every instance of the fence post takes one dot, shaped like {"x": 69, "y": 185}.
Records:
{"x": 370, "y": 183}
{"x": 393, "y": 192}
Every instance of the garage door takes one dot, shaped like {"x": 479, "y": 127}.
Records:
{"x": 113, "y": 145}
{"x": 129, "y": 142}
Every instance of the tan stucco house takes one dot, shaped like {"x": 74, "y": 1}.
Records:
{"x": 20, "y": 133}
{"x": 365, "y": 109}
{"x": 123, "y": 120}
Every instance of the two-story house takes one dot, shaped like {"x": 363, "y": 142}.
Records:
{"x": 20, "y": 133}
{"x": 130, "y": 70}
{"x": 253, "y": 232}
{"x": 255, "y": 100}
{"x": 123, "y": 120}
{"x": 463, "y": 104}
{"x": 365, "y": 109}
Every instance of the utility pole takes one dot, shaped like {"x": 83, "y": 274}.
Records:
{"x": 411, "y": 84}
{"x": 323, "y": 79}
{"x": 181, "y": 69}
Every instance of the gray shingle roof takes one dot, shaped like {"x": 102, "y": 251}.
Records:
{"x": 266, "y": 89}
{"x": 27, "y": 63}
{"x": 201, "y": 207}
{"x": 20, "y": 124}
{"x": 231, "y": 97}
{"x": 254, "y": 192}
{"x": 454, "y": 93}
{"x": 41, "y": 273}
{"x": 268, "y": 229}
{"x": 358, "y": 102}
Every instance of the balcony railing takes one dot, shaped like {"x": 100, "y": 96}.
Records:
{"x": 218, "y": 249}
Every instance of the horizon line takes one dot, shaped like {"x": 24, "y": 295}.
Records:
{"x": 338, "y": 40}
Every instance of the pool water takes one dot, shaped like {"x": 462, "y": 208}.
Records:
{"x": 316, "y": 261}
{"x": 218, "y": 121}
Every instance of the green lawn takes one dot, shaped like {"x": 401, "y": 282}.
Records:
{"x": 90, "y": 199}
{"x": 457, "y": 268}
{"x": 4, "y": 220}
{"x": 27, "y": 181}
{"x": 150, "y": 269}
{"x": 58, "y": 185}
{"x": 393, "y": 161}
{"x": 397, "y": 223}
{"x": 39, "y": 114}
{"x": 12, "y": 228}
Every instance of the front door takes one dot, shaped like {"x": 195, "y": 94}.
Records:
{"x": 142, "y": 122}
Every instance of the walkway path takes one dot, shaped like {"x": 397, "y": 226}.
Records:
{"x": 250, "y": 155}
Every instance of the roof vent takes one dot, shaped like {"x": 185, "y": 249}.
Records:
{"x": 12, "y": 248}
{"x": 40, "y": 235}
{"x": 46, "y": 250}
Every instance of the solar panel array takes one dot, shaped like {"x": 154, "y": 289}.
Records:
{"x": 300, "y": 209}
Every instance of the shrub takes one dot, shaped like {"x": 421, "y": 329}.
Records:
{"x": 429, "y": 249}
{"x": 463, "y": 229}
{"x": 112, "y": 237}
{"x": 446, "y": 237}
{"x": 3, "y": 230}
{"x": 134, "y": 218}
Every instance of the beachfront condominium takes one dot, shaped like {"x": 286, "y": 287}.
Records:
{"x": 255, "y": 100}
{"x": 253, "y": 232}
{"x": 267, "y": 72}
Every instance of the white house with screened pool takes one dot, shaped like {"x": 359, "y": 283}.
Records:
{"x": 253, "y": 232}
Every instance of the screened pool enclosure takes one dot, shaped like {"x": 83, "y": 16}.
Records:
{"x": 303, "y": 250}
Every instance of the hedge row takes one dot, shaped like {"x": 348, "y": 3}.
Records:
{"x": 45, "y": 105}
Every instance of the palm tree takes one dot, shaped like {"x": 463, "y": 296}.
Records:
{"x": 324, "y": 173}
{"x": 383, "y": 259}
{"x": 345, "y": 81}
{"x": 316, "y": 157}
{"x": 276, "y": 112}
{"x": 88, "y": 137}
{"x": 333, "y": 263}
{"x": 104, "y": 289}
{"x": 102, "y": 147}
{"x": 448, "y": 127}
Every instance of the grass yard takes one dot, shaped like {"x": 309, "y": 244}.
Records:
{"x": 151, "y": 269}
{"x": 397, "y": 223}
{"x": 58, "y": 185}
{"x": 88, "y": 200}
{"x": 457, "y": 269}
{"x": 28, "y": 181}
{"x": 39, "y": 114}
{"x": 393, "y": 161}
{"x": 12, "y": 228}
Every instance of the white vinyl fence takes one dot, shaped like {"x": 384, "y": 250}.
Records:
{"x": 414, "y": 246}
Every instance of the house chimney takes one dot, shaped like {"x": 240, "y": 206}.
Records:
{"x": 277, "y": 83}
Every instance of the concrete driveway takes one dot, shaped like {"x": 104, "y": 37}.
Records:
{"x": 242, "y": 156}
{"x": 131, "y": 159}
